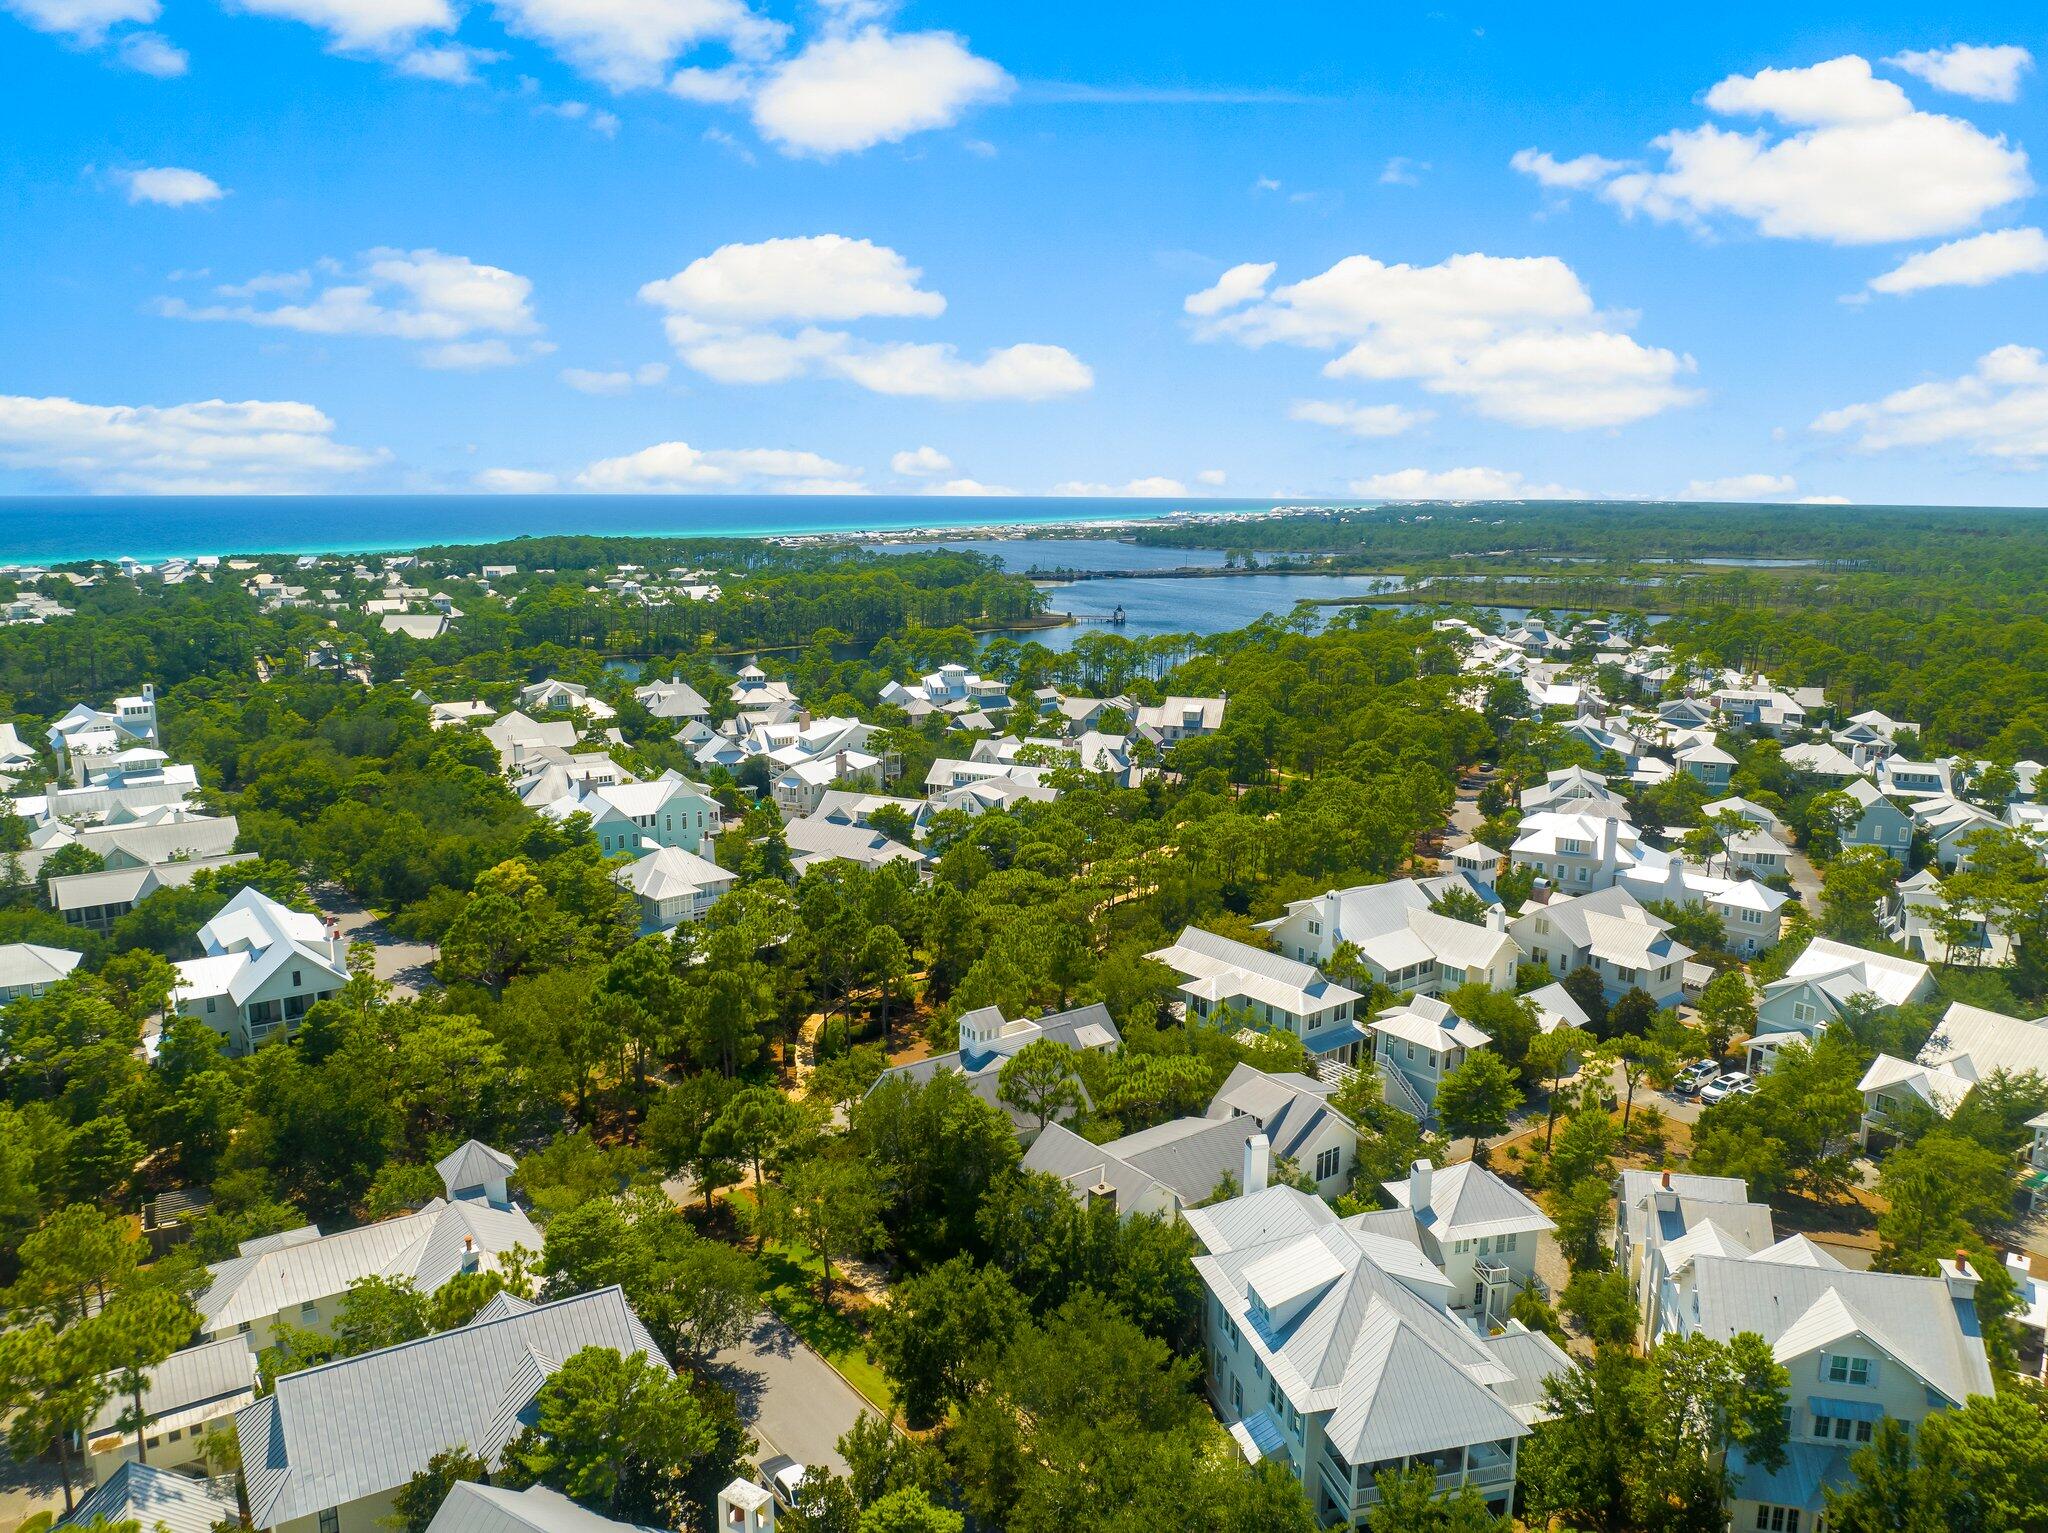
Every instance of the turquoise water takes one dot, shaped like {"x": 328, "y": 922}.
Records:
{"x": 1054, "y": 556}
{"x": 1154, "y": 605}
{"x": 55, "y": 528}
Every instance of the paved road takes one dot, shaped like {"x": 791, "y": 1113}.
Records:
{"x": 26, "y": 1490}
{"x": 405, "y": 965}
{"x": 790, "y": 1397}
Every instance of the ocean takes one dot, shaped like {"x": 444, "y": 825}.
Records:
{"x": 52, "y": 529}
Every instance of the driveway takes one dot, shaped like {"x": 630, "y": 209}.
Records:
{"x": 404, "y": 965}
{"x": 790, "y": 1397}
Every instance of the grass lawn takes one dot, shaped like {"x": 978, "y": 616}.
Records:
{"x": 791, "y": 1270}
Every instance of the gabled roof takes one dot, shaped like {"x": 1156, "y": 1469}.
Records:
{"x": 1467, "y": 1201}
{"x": 1843, "y": 970}
{"x": 1288, "y": 1108}
{"x": 473, "y": 1508}
{"x": 1973, "y": 1043}
{"x": 425, "y": 1247}
{"x": 1393, "y": 1369}
{"x": 210, "y": 1374}
{"x": 1431, "y": 1023}
{"x": 473, "y": 1163}
{"x": 30, "y": 963}
{"x": 364, "y": 1425}
{"x": 670, "y": 872}
{"x": 1798, "y": 1309}
{"x": 1226, "y": 968}
{"x": 156, "y": 1498}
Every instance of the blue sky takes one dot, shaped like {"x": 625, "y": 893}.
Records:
{"x": 1771, "y": 252}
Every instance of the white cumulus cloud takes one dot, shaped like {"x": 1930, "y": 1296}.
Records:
{"x": 1357, "y": 419}
{"x": 1211, "y": 477}
{"x": 1517, "y": 338}
{"x": 851, "y": 91}
{"x": 1745, "y": 487}
{"x": 83, "y": 21}
{"x": 675, "y": 467}
{"x": 383, "y": 27}
{"x": 1969, "y": 69}
{"x": 966, "y": 487}
{"x": 1998, "y": 410}
{"x": 172, "y": 186}
{"x": 813, "y": 277}
{"x": 460, "y": 310}
{"x": 213, "y": 446}
{"x": 629, "y": 44}
{"x": 934, "y": 370}
{"x": 1846, "y": 157}
{"x": 515, "y": 481}
{"x": 1239, "y": 285}
{"x": 757, "y": 313}
{"x": 921, "y": 462}
{"x": 1458, "y": 484}
{"x": 621, "y": 381}
{"x": 1971, "y": 262}
{"x": 146, "y": 53}
{"x": 1572, "y": 175}
{"x": 1152, "y": 487}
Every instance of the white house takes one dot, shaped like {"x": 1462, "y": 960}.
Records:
{"x": 1577, "y": 851}
{"x": 1282, "y": 992}
{"x": 1186, "y": 1161}
{"x": 1611, "y": 932}
{"x": 85, "y": 734}
{"x": 1972, "y": 1044}
{"x": 988, "y": 1039}
{"x": 672, "y": 699}
{"x": 1334, "y": 1350}
{"x": 1473, "y": 1226}
{"x": 1917, "y": 918}
{"x": 1175, "y": 719}
{"x": 1416, "y": 1046}
{"x": 818, "y": 838}
{"x": 1861, "y": 1348}
{"x": 188, "y": 1394}
{"x": 330, "y": 1447}
{"x": 1401, "y": 940}
{"x": 1663, "y": 1219}
{"x": 29, "y": 968}
{"x": 634, "y": 817}
{"x": 265, "y": 965}
{"x": 553, "y": 695}
{"x": 301, "y": 1277}
{"x": 1821, "y": 984}
{"x": 673, "y": 887}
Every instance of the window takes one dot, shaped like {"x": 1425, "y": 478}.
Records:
{"x": 310, "y": 1310}
{"x": 1505, "y": 1243}
{"x": 1848, "y": 1370}
{"x": 1802, "y": 1011}
{"x": 1274, "y": 1398}
{"x": 298, "y": 978}
{"x": 1777, "y": 1519}
{"x": 330, "y": 1520}
{"x": 1326, "y": 1163}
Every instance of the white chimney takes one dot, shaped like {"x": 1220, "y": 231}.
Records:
{"x": 1666, "y": 1195}
{"x": 1496, "y": 918}
{"x": 1258, "y": 1163}
{"x": 744, "y": 1507}
{"x": 1418, "y": 1187}
{"x": 1960, "y": 1276}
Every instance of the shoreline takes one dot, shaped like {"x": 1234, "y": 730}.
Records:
{"x": 784, "y": 521}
